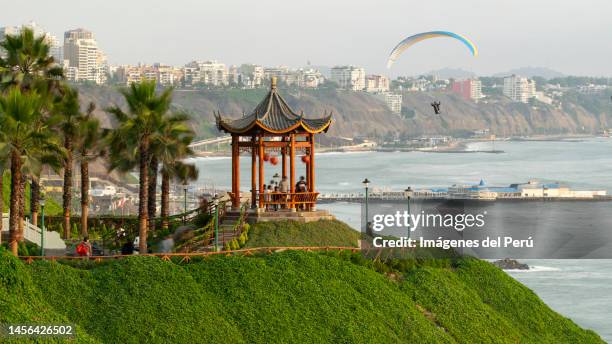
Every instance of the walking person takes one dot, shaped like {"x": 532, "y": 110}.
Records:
{"x": 276, "y": 196}
{"x": 284, "y": 190}
{"x": 267, "y": 191}
{"x": 300, "y": 186}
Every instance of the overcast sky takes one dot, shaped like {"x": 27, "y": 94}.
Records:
{"x": 573, "y": 37}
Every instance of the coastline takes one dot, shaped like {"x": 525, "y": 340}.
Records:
{"x": 457, "y": 146}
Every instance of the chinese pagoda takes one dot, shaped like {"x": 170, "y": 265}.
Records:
{"x": 271, "y": 131}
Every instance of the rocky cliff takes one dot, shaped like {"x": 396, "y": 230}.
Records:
{"x": 361, "y": 114}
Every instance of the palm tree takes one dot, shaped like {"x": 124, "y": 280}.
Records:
{"x": 133, "y": 136}
{"x": 89, "y": 148}
{"x": 28, "y": 64}
{"x": 151, "y": 203}
{"x": 67, "y": 109}
{"x": 28, "y": 143}
{"x": 170, "y": 147}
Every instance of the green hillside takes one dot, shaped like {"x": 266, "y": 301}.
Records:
{"x": 285, "y": 297}
{"x": 287, "y": 233}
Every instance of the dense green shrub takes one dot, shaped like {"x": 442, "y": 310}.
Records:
{"x": 285, "y": 297}
{"x": 290, "y": 233}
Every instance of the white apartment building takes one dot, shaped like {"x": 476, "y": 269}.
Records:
{"x": 349, "y": 77}
{"x": 281, "y": 73}
{"x": 206, "y": 72}
{"x": 82, "y": 52}
{"x": 393, "y": 101}
{"x": 164, "y": 75}
{"x": 519, "y": 89}
{"x": 247, "y": 75}
{"x": 376, "y": 83}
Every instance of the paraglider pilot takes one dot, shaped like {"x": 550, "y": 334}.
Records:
{"x": 436, "y": 107}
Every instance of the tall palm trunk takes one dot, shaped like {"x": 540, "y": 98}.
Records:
{"x": 165, "y": 199}
{"x": 143, "y": 194}
{"x": 14, "y": 201}
{"x": 151, "y": 204}
{"x": 22, "y": 199}
{"x": 1, "y": 201}
{"x": 67, "y": 197}
{"x": 34, "y": 200}
{"x": 84, "y": 196}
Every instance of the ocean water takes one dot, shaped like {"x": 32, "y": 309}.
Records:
{"x": 578, "y": 289}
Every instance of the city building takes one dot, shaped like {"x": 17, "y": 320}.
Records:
{"x": 349, "y": 77}
{"x": 210, "y": 72}
{"x": 519, "y": 89}
{"x": 82, "y": 52}
{"x": 592, "y": 89}
{"x": 470, "y": 89}
{"x": 163, "y": 75}
{"x": 376, "y": 83}
{"x": 393, "y": 101}
{"x": 247, "y": 75}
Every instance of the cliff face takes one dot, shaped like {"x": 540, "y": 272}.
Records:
{"x": 363, "y": 114}
{"x": 501, "y": 117}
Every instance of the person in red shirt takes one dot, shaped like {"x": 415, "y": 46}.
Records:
{"x": 84, "y": 248}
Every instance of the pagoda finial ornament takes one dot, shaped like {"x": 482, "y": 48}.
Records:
{"x": 273, "y": 83}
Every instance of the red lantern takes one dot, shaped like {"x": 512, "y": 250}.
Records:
{"x": 266, "y": 157}
{"x": 274, "y": 160}
{"x": 305, "y": 159}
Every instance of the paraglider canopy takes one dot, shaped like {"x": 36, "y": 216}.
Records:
{"x": 412, "y": 40}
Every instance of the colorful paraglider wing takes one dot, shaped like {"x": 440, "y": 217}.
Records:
{"x": 412, "y": 40}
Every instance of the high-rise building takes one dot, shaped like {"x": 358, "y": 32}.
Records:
{"x": 55, "y": 48}
{"x": 82, "y": 52}
{"x": 376, "y": 83}
{"x": 470, "y": 89}
{"x": 349, "y": 77}
{"x": 205, "y": 72}
{"x": 519, "y": 89}
{"x": 393, "y": 101}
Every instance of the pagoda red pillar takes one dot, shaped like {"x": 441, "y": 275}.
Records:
{"x": 311, "y": 165}
{"x": 236, "y": 171}
{"x": 261, "y": 171}
{"x": 284, "y": 157}
{"x": 253, "y": 173}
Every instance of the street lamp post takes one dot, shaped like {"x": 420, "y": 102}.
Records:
{"x": 276, "y": 178}
{"x": 366, "y": 183}
{"x": 42, "y": 224}
{"x": 185, "y": 203}
{"x": 408, "y": 192}
{"x": 216, "y": 204}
